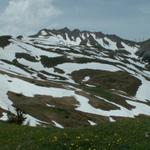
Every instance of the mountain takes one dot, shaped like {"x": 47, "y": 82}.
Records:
{"x": 71, "y": 78}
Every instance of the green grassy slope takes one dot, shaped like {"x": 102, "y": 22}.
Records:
{"x": 121, "y": 135}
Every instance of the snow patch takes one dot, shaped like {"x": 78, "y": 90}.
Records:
{"x": 31, "y": 121}
{"x": 57, "y": 124}
{"x": 92, "y": 123}
{"x": 68, "y": 68}
{"x": 52, "y": 106}
{"x": 111, "y": 119}
{"x": 4, "y": 117}
{"x": 87, "y": 78}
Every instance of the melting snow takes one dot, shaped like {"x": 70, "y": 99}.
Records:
{"x": 112, "y": 45}
{"x": 31, "y": 121}
{"x": 71, "y": 67}
{"x": 143, "y": 92}
{"x": 87, "y": 78}
{"x": 130, "y": 49}
{"x": 92, "y": 123}
{"x": 30, "y": 90}
{"x": 4, "y": 117}
{"x": 43, "y": 33}
{"x": 52, "y": 106}
{"x": 57, "y": 124}
{"x": 111, "y": 119}
{"x": 140, "y": 108}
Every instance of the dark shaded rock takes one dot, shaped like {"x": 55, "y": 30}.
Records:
{"x": 144, "y": 51}
{"x": 20, "y": 37}
{"x": 4, "y": 41}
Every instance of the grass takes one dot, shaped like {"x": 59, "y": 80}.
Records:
{"x": 107, "y": 94}
{"x": 121, "y": 135}
{"x": 26, "y": 56}
{"x": 109, "y": 80}
{"x": 50, "y": 62}
{"x": 101, "y": 92}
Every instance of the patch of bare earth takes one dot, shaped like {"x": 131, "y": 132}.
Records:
{"x": 62, "y": 110}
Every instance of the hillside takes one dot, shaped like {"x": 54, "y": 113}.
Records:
{"x": 63, "y": 78}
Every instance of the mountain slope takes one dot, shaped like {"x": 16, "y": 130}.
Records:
{"x": 73, "y": 78}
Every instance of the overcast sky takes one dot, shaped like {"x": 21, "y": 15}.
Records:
{"x": 126, "y": 18}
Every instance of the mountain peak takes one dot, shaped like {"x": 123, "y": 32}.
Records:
{"x": 65, "y": 29}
